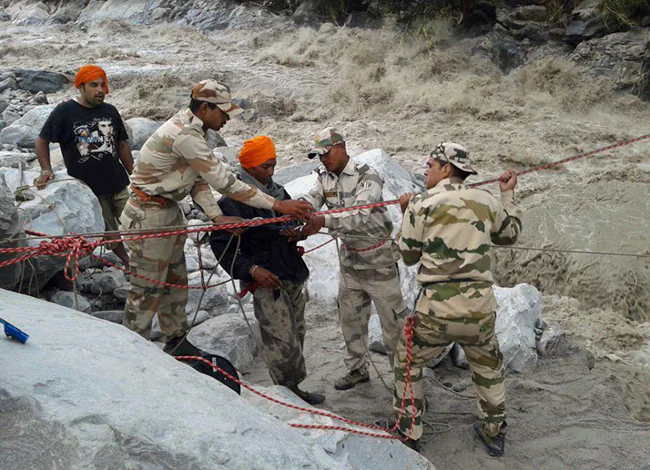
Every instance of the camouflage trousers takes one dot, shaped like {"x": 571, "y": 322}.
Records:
{"x": 464, "y": 313}
{"x": 357, "y": 289}
{"x": 281, "y": 316}
{"x": 161, "y": 259}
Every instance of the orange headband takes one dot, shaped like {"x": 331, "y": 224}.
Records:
{"x": 88, "y": 73}
{"x": 256, "y": 151}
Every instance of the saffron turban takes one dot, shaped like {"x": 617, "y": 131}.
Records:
{"x": 88, "y": 73}
{"x": 256, "y": 151}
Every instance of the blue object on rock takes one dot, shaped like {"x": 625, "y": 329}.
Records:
{"x": 14, "y": 332}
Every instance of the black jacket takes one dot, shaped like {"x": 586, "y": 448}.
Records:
{"x": 261, "y": 245}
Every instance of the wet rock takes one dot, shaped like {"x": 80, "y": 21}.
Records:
{"x": 622, "y": 57}
{"x": 551, "y": 338}
{"x": 141, "y": 130}
{"x": 519, "y": 309}
{"x": 67, "y": 299}
{"x": 9, "y": 227}
{"x": 230, "y": 337}
{"x": 375, "y": 335}
{"x": 588, "y": 21}
{"x": 36, "y": 81}
{"x": 25, "y": 130}
{"x": 70, "y": 203}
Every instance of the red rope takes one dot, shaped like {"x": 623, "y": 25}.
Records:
{"x": 75, "y": 245}
{"x": 408, "y": 331}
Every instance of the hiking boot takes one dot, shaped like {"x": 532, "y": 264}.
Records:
{"x": 180, "y": 346}
{"x": 351, "y": 379}
{"x": 493, "y": 445}
{"x": 309, "y": 397}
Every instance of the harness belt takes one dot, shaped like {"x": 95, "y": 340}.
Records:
{"x": 141, "y": 196}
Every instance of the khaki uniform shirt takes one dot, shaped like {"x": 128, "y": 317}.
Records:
{"x": 357, "y": 185}
{"x": 176, "y": 161}
{"x": 449, "y": 230}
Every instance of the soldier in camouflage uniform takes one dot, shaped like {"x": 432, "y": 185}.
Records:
{"x": 174, "y": 162}
{"x": 369, "y": 263}
{"x": 449, "y": 229}
{"x": 269, "y": 266}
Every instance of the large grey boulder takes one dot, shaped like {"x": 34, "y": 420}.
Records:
{"x": 9, "y": 227}
{"x": 28, "y": 13}
{"x": 323, "y": 263}
{"x": 36, "y": 81}
{"x": 589, "y": 20}
{"x": 61, "y": 208}
{"x": 230, "y": 337}
{"x": 25, "y": 130}
{"x": 70, "y": 300}
{"x": 519, "y": 309}
{"x": 141, "y": 130}
{"x": 133, "y": 406}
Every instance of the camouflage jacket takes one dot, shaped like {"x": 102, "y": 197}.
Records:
{"x": 357, "y": 185}
{"x": 176, "y": 161}
{"x": 449, "y": 229}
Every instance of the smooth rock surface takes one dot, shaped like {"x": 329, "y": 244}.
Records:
{"x": 141, "y": 130}
{"x": 25, "y": 130}
{"x": 518, "y": 310}
{"x": 133, "y": 406}
{"x": 230, "y": 337}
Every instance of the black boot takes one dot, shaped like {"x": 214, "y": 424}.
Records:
{"x": 309, "y": 397}
{"x": 495, "y": 446}
{"x": 180, "y": 346}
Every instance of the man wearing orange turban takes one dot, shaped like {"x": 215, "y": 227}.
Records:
{"x": 93, "y": 142}
{"x": 268, "y": 265}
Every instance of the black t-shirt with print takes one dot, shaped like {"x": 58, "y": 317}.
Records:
{"x": 88, "y": 139}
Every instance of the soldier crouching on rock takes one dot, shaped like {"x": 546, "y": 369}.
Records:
{"x": 449, "y": 229}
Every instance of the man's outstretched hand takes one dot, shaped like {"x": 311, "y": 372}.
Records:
{"x": 301, "y": 210}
